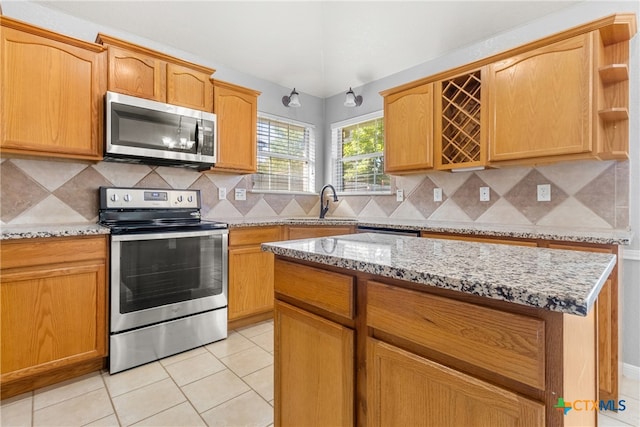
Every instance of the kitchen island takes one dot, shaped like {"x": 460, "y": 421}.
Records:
{"x": 386, "y": 330}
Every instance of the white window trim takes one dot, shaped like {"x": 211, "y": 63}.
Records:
{"x": 379, "y": 114}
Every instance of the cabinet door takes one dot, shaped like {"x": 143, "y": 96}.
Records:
{"x": 237, "y": 113}
{"x": 541, "y": 102}
{"x": 250, "y": 281}
{"x": 137, "y": 74}
{"x": 408, "y": 128}
{"x": 314, "y": 370}
{"x": 189, "y": 88}
{"x": 51, "y": 318}
{"x": 404, "y": 389}
{"x": 51, "y": 97}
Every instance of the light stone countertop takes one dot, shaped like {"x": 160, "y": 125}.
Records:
{"x": 51, "y": 230}
{"x": 603, "y": 236}
{"x": 553, "y": 279}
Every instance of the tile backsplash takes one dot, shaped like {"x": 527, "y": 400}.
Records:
{"x": 589, "y": 194}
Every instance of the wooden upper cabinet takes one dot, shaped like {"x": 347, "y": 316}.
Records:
{"x": 52, "y": 89}
{"x": 137, "y": 71}
{"x": 136, "y": 74}
{"x": 236, "y": 108}
{"x": 189, "y": 88}
{"x": 408, "y": 128}
{"x": 541, "y": 101}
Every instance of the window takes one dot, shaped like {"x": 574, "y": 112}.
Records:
{"x": 357, "y": 155}
{"x": 286, "y": 155}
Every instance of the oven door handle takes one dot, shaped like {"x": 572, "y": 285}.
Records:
{"x": 167, "y": 235}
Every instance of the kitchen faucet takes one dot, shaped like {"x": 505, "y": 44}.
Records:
{"x": 324, "y": 208}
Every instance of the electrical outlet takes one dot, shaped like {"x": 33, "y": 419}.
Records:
{"x": 485, "y": 194}
{"x": 399, "y": 195}
{"x": 437, "y": 194}
{"x": 544, "y": 192}
{"x": 241, "y": 194}
{"x": 222, "y": 193}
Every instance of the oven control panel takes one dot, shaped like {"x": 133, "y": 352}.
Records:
{"x": 143, "y": 198}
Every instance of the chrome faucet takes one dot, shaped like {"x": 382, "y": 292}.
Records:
{"x": 324, "y": 208}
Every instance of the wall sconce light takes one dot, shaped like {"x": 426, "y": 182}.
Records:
{"x": 292, "y": 100}
{"x": 352, "y": 100}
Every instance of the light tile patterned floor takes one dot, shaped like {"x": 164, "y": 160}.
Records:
{"x": 228, "y": 383}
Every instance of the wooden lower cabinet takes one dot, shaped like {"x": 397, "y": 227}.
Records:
{"x": 409, "y": 355}
{"x": 251, "y": 270}
{"x": 405, "y": 389}
{"x": 608, "y": 312}
{"x": 54, "y": 317}
{"x": 250, "y": 282}
{"x": 607, "y": 305}
{"x": 314, "y": 369}
{"x": 250, "y": 274}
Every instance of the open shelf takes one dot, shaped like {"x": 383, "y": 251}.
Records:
{"x": 461, "y": 120}
{"x": 614, "y": 114}
{"x": 614, "y": 73}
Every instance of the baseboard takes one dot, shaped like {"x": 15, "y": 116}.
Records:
{"x": 631, "y": 255}
{"x": 631, "y": 371}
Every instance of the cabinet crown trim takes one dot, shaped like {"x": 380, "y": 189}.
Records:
{"x": 7, "y": 22}
{"x": 104, "y": 39}
{"x": 613, "y": 29}
{"x": 220, "y": 83}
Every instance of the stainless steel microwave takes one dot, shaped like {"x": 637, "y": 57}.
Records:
{"x": 143, "y": 131}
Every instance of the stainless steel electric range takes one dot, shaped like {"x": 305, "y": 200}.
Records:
{"x": 168, "y": 285}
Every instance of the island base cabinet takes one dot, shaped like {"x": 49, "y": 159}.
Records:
{"x": 314, "y": 370}
{"x": 405, "y": 389}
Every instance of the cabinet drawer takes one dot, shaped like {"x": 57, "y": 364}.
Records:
{"x": 509, "y": 344}
{"x": 324, "y": 289}
{"x": 254, "y": 235}
{"x": 33, "y": 252}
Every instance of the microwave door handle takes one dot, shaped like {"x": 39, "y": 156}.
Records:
{"x": 199, "y": 135}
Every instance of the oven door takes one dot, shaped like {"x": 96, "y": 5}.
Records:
{"x": 166, "y": 275}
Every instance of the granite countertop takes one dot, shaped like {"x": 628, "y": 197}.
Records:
{"x": 558, "y": 280}
{"x": 601, "y": 236}
{"x": 51, "y": 230}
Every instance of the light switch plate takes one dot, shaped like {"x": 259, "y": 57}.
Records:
{"x": 437, "y": 194}
{"x": 544, "y": 192}
{"x": 485, "y": 194}
{"x": 241, "y": 194}
{"x": 222, "y": 193}
{"x": 399, "y": 195}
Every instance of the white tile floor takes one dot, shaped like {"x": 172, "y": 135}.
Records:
{"x": 228, "y": 383}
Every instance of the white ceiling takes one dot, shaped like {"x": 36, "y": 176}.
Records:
{"x": 320, "y": 47}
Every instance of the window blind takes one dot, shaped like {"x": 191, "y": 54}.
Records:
{"x": 286, "y": 156}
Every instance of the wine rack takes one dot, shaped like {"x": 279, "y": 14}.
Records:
{"x": 460, "y": 137}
